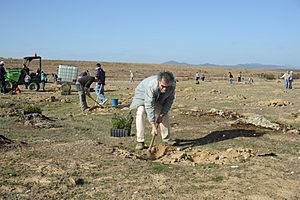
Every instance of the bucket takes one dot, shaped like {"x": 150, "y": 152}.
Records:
{"x": 114, "y": 102}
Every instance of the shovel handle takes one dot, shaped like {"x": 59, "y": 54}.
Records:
{"x": 152, "y": 140}
{"x": 151, "y": 143}
{"x": 95, "y": 101}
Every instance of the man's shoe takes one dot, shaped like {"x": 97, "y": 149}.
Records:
{"x": 86, "y": 109}
{"x": 140, "y": 146}
{"x": 170, "y": 142}
{"x": 103, "y": 102}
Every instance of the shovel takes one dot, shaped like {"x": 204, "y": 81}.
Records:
{"x": 151, "y": 150}
{"x": 95, "y": 101}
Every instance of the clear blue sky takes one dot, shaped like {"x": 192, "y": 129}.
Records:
{"x": 153, "y": 31}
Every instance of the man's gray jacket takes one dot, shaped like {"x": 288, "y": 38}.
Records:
{"x": 148, "y": 94}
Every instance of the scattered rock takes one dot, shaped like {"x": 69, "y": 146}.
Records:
{"x": 189, "y": 89}
{"x": 174, "y": 125}
{"x": 259, "y": 120}
{"x": 180, "y": 106}
{"x": 214, "y": 91}
{"x": 51, "y": 99}
{"x": 175, "y": 110}
{"x": 276, "y": 103}
{"x": 196, "y": 109}
{"x": 293, "y": 131}
{"x": 239, "y": 96}
{"x": 66, "y": 100}
{"x": 295, "y": 114}
{"x": 70, "y": 115}
{"x": 225, "y": 114}
{"x": 72, "y": 181}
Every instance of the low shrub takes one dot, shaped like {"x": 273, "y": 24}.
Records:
{"x": 31, "y": 108}
{"x": 122, "y": 121}
{"x": 269, "y": 76}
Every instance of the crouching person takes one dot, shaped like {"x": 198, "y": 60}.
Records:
{"x": 153, "y": 99}
{"x": 83, "y": 87}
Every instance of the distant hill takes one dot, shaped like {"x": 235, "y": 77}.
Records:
{"x": 257, "y": 65}
{"x": 172, "y": 62}
{"x": 247, "y": 65}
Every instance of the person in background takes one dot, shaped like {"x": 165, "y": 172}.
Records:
{"x": 82, "y": 74}
{"x": 250, "y": 80}
{"x": 26, "y": 69}
{"x": 230, "y": 77}
{"x": 286, "y": 80}
{"x": 202, "y": 76}
{"x": 131, "y": 76}
{"x": 55, "y": 77}
{"x": 197, "y": 77}
{"x": 100, "y": 76}
{"x": 239, "y": 77}
{"x": 2, "y": 77}
{"x": 83, "y": 84}
{"x": 43, "y": 80}
{"x": 153, "y": 99}
{"x": 17, "y": 89}
{"x": 290, "y": 80}
{"x": 25, "y": 77}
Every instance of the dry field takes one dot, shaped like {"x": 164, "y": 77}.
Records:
{"x": 237, "y": 141}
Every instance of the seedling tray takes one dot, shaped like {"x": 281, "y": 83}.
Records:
{"x": 119, "y": 132}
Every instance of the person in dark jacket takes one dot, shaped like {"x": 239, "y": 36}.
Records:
{"x": 83, "y": 87}
{"x": 100, "y": 76}
{"x": 2, "y": 77}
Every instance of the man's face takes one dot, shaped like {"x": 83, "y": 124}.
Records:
{"x": 163, "y": 86}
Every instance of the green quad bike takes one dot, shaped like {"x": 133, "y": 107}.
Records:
{"x": 19, "y": 76}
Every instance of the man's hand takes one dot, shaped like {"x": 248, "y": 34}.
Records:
{"x": 86, "y": 91}
{"x": 159, "y": 119}
{"x": 154, "y": 129}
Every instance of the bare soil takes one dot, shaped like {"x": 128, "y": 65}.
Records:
{"x": 237, "y": 141}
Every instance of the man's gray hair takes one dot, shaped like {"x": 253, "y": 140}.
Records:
{"x": 166, "y": 76}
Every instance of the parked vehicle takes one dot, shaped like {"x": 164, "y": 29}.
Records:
{"x": 23, "y": 76}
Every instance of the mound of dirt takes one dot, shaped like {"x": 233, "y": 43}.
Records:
{"x": 261, "y": 121}
{"x": 191, "y": 156}
{"x": 203, "y": 156}
{"x": 38, "y": 120}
